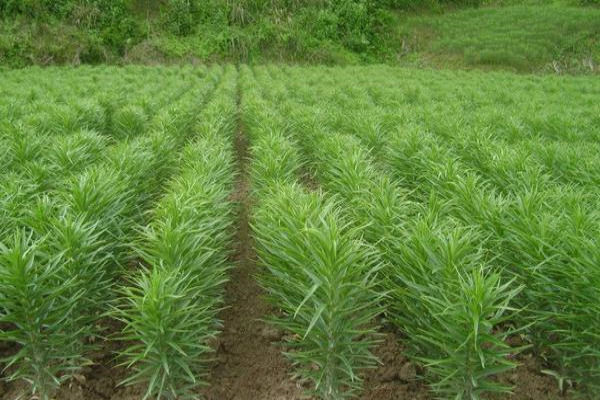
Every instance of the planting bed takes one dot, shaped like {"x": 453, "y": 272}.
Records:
{"x": 278, "y": 232}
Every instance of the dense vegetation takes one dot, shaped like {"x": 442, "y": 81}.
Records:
{"x": 457, "y": 211}
{"x": 80, "y": 175}
{"x": 477, "y": 206}
{"x": 462, "y": 207}
{"x": 551, "y": 38}
{"x": 561, "y": 36}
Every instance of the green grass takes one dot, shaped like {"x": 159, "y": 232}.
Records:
{"x": 527, "y": 38}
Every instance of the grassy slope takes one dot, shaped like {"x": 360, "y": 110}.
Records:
{"x": 55, "y": 43}
{"x": 525, "y": 38}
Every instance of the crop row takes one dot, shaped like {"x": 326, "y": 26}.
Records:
{"x": 317, "y": 271}
{"x": 463, "y": 222}
{"x": 107, "y": 113}
{"x": 47, "y": 163}
{"x": 480, "y": 119}
{"x": 58, "y": 271}
{"x": 439, "y": 204}
{"x": 28, "y": 93}
{"x": 419, "y": 295}
{"x": 170, "y": 306}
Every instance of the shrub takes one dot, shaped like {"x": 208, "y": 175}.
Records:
{"x": 179, "y": 16}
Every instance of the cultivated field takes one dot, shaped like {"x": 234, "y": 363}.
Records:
{"x": 264, "y": 232}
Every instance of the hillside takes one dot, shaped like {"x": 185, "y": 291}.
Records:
{"x": 530, "y": 37}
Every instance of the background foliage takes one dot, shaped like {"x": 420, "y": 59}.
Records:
{"x": 309, "y": 31}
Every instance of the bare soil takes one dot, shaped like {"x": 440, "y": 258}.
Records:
{"x": 308, "y": 179}
{"x": 396, "y": 378}
{"x": 248, "y": 365}
{"x": 530, "y": 383}
{"x": 99, "y": 381}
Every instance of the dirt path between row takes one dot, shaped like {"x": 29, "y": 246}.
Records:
{"x": 248, "y": 365}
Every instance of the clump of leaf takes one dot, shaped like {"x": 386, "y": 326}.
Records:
{"x": 323, "y": 278}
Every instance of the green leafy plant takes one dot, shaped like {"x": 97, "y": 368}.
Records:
{"x": 430, "y": 273}
{"x": 323, "y": 279}
{"x": 455, "y": 309}
{"x": 170, "y": 307}
{"x": 171, "y": 363}
{"x": 37, "y": 303}
{"x": 78, "y": 229}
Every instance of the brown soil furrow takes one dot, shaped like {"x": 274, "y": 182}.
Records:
{"x": 248, "y": 365}
{"x": 395, "y": 378}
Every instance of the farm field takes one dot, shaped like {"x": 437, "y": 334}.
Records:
{"x": 270, "y": 232}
